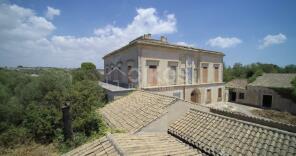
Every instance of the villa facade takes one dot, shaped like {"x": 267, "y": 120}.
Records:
{"x": 155, "y": 65}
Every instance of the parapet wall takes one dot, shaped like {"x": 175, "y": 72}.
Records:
{"x": 261, "y": 121}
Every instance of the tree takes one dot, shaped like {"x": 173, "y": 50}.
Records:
{"x": 87, "y": 71}
{"x": 88, "y": 66}
{"x": 30, "y": 107}
{"x": 252, "y": 71}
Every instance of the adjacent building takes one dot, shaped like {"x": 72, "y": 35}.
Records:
{"x": 155, "y": 65}
{"x": 268, "y": 91}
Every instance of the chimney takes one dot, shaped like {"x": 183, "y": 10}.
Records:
{"x": 67, "y": 122}
{"x": 163, "y": 39}
{"x": 147, "y": 36}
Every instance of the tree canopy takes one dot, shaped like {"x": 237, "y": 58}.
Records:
{"x": 252, "y": 71}
{"x": 30, "y": 106}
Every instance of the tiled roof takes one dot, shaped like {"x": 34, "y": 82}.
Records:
{"x": 219, "y": 135}
{"x": 133, "y": 112}
{"x": 136, "y": 144}
{"x": 275, "y": 80}
{"x": 99, "y": 147}
{"x": 237, "y": 83}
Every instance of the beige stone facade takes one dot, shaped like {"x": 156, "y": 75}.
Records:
{"x": 156, "y": 65}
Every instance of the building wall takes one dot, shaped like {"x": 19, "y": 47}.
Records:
{"x": 203, "y": 92}
{"x": 178, "y": 91}
{"x": 185, "y": 61}
{"x": 165, "y": 55}
{"x": 254, "y": 97}
{"x": 119, "y": 62}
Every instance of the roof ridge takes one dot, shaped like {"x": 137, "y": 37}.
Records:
{"x": 114, "y": 144}
{"x": 256, "y": 120}
{"x": 245, "y": 122}
{"x": 145, "y": 91}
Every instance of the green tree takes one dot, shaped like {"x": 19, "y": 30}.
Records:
{"x": 87, "y": 71}
{"x": 88, "y": 66}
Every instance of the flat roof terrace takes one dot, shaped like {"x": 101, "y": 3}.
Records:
{"x": 114, "y": 88}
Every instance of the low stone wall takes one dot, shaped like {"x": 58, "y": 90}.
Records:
{"x": 261, "y": 121}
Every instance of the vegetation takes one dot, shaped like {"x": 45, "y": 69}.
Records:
{"x": 30, "y": 106}
{"x": 252, "y": 71}
{"x": 283, "y": 117}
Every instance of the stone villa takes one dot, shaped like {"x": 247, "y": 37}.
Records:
{"x": 158, "y": 66}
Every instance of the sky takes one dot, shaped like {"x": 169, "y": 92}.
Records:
{"x": 65, "y": 33}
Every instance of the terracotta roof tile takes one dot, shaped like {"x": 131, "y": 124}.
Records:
{"x": 99, "y": 147}
{"x": 135, "y": 111}
{"x": 237, "y": 83}
{"x": 136, "y": 145}
{"x": 276, "y": 80}
{"x": 219, "y": 135}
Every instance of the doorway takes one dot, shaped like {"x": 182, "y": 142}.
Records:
{"x": 267, "y": 101}
{"x": 232, "y": 96}
{"x": 195, "y": 96}
{"x": 152, "y": 75}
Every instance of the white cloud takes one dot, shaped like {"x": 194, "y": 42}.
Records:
{"x": 224, "y": 42}
{"x": 146, "y": 21}
{"x": 27, "y": 39}
{"x": 272, "y": 39}
{"x": 51, "y": 12}
{"x": 185, "y": 44}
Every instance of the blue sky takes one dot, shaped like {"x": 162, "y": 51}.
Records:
{"x": 70, "y": 32}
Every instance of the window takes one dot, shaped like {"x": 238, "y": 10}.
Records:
{"x": 129, "y": 74}
{"x": 173, "y": 75}
{"x": 220, "y": 94}
{"x": 205, "y": 74}
{"x": 107, "y": 70}
{"x": 216, "y": 74}
{"x": 196, "y": 75}
{"x": 189, "y": 74}
{"x": 183, "y": 75}
{"x": 241, "y": 95}
{"x": 209, "y": 96}
{"x": 152, "y": 75}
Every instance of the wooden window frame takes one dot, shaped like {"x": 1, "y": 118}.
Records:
{"x": 219, "y": 94}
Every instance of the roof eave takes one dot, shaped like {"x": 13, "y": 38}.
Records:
{"x": 167, "y": 45}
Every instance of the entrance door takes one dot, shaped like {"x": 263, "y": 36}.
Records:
{"x": 195, "y": 96}
{"x": 232, "y": 96}
{"x": 267, "y": 101}
{"x": 152, "y": 76}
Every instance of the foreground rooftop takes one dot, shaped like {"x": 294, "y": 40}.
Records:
{"x": 136, "y": 144}
{"x": 197, "y": 132}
